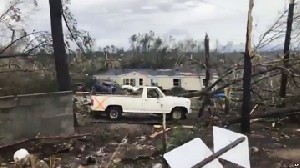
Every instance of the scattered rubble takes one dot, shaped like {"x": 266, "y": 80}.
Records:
{"x": 100, "y": 145}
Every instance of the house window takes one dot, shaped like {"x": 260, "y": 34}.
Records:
{"x": 177, "y": 82}
{"x": 141, "y": 82}
{"x": 204, "y": 82}
{"x": 132, "y": 82}
{"x": 125, "y": 81}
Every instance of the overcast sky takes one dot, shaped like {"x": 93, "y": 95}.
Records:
{"x": 114, "y": 21}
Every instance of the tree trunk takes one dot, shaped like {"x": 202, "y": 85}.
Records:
{"x": 61, "y": 65}
{"x": 60, "y": 55}
{"x": 12, "y": 47}
{"x": 206, "y": 98}
{"x": 246, "y": 106}
{"x": 284, "y": 76}
{"x": 207, "y": 66}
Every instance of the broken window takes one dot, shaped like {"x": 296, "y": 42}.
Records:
{"x": 141, "y": 82}
{"x": 177, "y": 82}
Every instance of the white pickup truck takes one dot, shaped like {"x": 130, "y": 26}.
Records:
{"x": 149, "y": 100}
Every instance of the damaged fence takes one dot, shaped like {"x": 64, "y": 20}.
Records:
{"x": 26, "y": 116}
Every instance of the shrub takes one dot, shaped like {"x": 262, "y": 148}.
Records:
{"x": 25, "y": 83}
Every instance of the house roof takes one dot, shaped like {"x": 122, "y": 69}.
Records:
{"x": 155, "y": 72}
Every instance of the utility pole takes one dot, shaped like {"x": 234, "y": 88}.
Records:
{"x": 245, "y": 111}
{"x": 287, "y": 40}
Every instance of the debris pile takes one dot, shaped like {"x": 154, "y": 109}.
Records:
{"x": 81, "y": 104}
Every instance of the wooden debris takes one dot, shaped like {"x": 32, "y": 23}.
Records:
{"x": 253, "y": 109}
{"x": 45, "y": 138}
{"x": 186, "y": 127}
{"x": 155, "y": 134}
{"x": 157, "y": 126}
{"x": 183, "y": 126}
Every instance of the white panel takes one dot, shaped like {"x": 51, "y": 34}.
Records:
{"x": 189, "y": 154}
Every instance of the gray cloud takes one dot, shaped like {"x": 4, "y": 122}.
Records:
{"x": 114, "y": 21}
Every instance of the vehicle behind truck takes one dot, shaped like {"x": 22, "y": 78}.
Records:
{"x": 145, "y": 100}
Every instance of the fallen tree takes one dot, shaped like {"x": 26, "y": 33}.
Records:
{"x": 272, "y": 114}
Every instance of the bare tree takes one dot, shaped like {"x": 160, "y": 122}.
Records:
{"x": 206, "y": 98}
{"x": 284, "y": 76}
{"x": 245, "y": 111}
{"x": 82, "y": 38}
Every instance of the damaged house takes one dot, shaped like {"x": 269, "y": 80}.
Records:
{"x": 191, "y": 80}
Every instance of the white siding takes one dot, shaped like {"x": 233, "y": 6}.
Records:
{"x": 136, "y": 76}
{"x": 188, "y": 82}
{"x": 165, "y": 82}
{"x": 192, "y": 83}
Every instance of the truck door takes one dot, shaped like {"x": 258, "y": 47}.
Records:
{"x": 135, "y": 102}
{"x": 152, "y": 101}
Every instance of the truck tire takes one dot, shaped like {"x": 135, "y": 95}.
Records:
{"x": 178, "y": 114}
{"x": 114, "y": 113}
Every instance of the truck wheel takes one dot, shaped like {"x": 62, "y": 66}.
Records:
{"x": 114, "y": 113}
{"x": 177, "y": 114}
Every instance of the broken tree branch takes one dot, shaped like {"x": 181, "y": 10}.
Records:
{"x": 45, "y": 138}
{"x": 18, "y": 39}
{"x": 9, "y": 9}
{"x": 273, "y": 114}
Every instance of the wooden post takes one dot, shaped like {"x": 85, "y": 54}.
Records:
{"x": 246, "y": 106}
{"x": 284, "y": 75}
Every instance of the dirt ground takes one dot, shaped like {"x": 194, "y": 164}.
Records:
{"x": 130, "y": 145}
